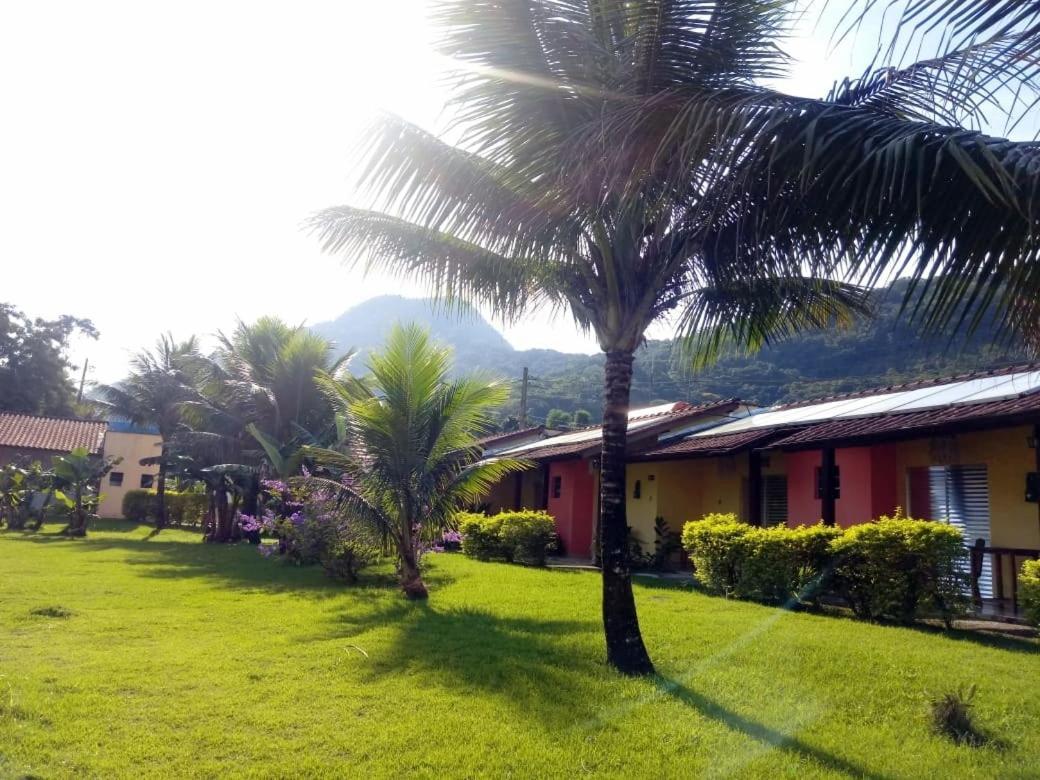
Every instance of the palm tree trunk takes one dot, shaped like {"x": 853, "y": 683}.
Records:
{"x": 625, "y": 649}
{"x": 160, "y": 490}
{"x": 411, "y": 580}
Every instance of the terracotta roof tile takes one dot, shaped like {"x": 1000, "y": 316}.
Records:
{"x": 56, "y": 434}
{"x": 709, "y": 446}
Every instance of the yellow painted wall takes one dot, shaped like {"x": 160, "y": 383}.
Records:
{"x": 131, "y": 447}
{"x": 684, "y": 490}
{"x": 1014, "y": 522}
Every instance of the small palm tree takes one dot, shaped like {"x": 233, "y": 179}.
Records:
{"x": 80, "y": 473}
{"x": 160, "y": 382}
{"x": 628, "y": 162}
{"x": 409, "y": 456}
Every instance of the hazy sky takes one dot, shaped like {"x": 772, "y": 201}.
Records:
{"x": 157, "y": 159}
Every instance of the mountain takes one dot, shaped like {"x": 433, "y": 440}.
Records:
{"x": 477, "y": 345}
{"x": 882, "y": 350}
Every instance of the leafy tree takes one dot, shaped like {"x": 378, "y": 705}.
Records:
{"x": 161, "y": 381}
{"x": 627, "y": 161}
{"x": 582, "y": 417}
{"x": 34, "y": 364}
{"x": 80, "y": 474}
{"x": 409, "y": 456}
{"x": 558, "y": 418}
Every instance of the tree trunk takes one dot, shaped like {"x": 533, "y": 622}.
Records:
{"x": 160, "y": 490}
{"x": 625, "y": 649}
{"x": 411, "y": 580}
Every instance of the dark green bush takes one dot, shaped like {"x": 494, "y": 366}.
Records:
{"x": 139, "y": 505}
{"x": 900, "y": 568}
{"x": 765, "y": 564}
{"x": 345, "y": 557}
{"x": 523, "y": 536}
{"x": 187, "y": 508}
{"x": 1029, "y": 590}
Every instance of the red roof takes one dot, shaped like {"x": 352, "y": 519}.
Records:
{"x": 505, "y": 436}
{"x": 709, "y": 446}
{"x": 55, "y": 434}
{"x": 939, "y": 419}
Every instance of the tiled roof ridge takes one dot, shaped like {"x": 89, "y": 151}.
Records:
{"x": 685, "y": 407}
{"x": 4, "y": 413}
{"x": 916, "y": 384}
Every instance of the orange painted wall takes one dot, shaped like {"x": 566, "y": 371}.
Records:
{"x": 575, "y": 508}
{"x": 869, "y": 485}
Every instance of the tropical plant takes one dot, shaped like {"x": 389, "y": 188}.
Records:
{"x": 278, "y": 363}
{"x": 161, "y": 381}
{"x": 409, "y": 458}
{"x": 76, "y": 477}
{"x": 627, "y": 161}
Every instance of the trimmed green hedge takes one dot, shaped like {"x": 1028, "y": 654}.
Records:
{"x": 1029, "y": 590}
{"x": 523, "y": 536}
{"x": 181, "y": 508}
{"x": 898, "y": 568}
{"x": 765, "y": 564}
{"x": 895, "y": 567}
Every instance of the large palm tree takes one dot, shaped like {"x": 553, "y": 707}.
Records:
{"x": 626, "y": 162}
{"x": 409, "y": 456}
{"x": 161, "y": 381}
{"x": 278, "y": 363}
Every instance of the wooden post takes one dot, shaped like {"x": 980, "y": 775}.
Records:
{"x": 827, "y": 469}
{"x": 518, "y": 490}
{"x": 754, "y": 488}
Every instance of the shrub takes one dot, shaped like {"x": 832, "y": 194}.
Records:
{"x": 715, "y": 545}
{"x": 139, "y": 505}
{"x": 765, "y": 564}
{"x": 186, "y": 508}
{"x": 782, "y": 563}
{"x": 897, "y": 567}
{"x": 480, "y": 536}
{"x": 527, "y": 536}
{"x": 1029, "y": 590}
{"x": 345, "y": 557}
{"x": 523, "y": 536}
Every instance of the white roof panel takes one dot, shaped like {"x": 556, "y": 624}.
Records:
{"x": 989, "y": 388}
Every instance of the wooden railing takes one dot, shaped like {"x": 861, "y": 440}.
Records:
{"x": 998, "y": 556}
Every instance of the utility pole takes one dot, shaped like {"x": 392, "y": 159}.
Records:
{"x": 82, "y": 381}
{"x": 523, "y": 399}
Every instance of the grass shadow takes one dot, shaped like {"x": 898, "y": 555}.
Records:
{"x": 233, "y": 565}
{"x": 769, "y": 737}
{"x": 528, "y": 662}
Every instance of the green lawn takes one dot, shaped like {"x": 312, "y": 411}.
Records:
{"x": 182, "y": 659}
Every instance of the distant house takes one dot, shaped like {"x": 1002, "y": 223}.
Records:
{"x": 565, "y": 480}
{"x": 962, "y": 450}
{"x": 133, "y": 444}
{"x": 26, "y": 438}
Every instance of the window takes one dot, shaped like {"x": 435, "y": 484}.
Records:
{"x": 774, "y": 499}
{"x": 147, "y": 480}
{"x": 557, "y": 486}
{"x": 837, "y": 482}
{"x": 637, "y": 492}
{"x": 115, "y": 478}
